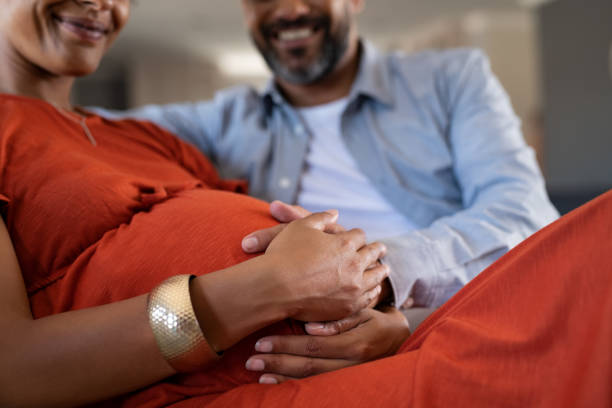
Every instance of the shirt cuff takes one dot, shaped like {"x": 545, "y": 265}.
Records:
{"x": 413, "y": 270}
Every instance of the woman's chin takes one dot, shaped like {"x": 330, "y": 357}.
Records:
{"x": 82, "y": 71}
{"x": 72, "y": 62}
{"x": 77, "y": 68}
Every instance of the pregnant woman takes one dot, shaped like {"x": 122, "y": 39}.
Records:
{"x": 105, "y": 224}
{"x": 100, "y": 213}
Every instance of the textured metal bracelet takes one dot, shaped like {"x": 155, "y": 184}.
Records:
{"x": 175, "y": 326}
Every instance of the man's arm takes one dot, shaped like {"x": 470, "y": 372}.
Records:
{"x": 198, "y": 123}
{"x": 503, "y": 192}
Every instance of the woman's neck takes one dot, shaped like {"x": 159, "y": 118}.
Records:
{"x": 19, "y": 76}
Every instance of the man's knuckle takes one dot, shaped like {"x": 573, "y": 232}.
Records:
{"x": 279, "y": 345}
{"x": 272, "y": 363}
{"x": 362, "y": 351}
{"x": 308, "y": 368}
{"x": 312, "y": 346}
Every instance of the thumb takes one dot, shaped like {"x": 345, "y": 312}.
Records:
{"x": 337, "y": 326}
{"x": 258, "y": 241}
{"x": 283, "y": 212}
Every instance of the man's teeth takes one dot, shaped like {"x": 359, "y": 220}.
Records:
{"x": 292, "y": 35}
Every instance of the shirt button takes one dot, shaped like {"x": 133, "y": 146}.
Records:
{"x": 299, "y": 130}
{"x": 284, "y": 182}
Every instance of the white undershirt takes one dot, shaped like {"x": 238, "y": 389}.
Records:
{"x": 332, "y": 180}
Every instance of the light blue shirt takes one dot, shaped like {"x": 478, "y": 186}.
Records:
{"x": 332, "y": 179}
{"x": 434, "y": 132}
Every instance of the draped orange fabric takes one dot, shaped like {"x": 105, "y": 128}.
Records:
{"x": 533, "y": 330}
{"x": 93, "y": 225}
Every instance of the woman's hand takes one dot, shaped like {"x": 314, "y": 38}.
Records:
{"x": 366, "y": 336}
{"x": 325, "y": 276}
{"x": 258, "y": 241}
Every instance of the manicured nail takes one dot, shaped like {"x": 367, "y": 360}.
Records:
{"x": 249, "y": 244}
{"x": 315, "y": 326}
{"x": 263, "y": 346}
{"x": 333, "y": 213}
{"x": 254, "y": 364}
{"x": 267, "y": 380}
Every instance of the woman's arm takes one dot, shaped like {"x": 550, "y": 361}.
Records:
{"x": 94, "y": 354}
{"x": 70, "y": 358}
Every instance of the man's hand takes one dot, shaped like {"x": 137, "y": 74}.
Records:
{"x": 324, "y": 276}
{"x": 258, "y": 241}
{"x": 365, "y": 336}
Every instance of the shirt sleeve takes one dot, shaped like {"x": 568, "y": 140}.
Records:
{"x": 4, "y": 200}
{"x": 503, "y": 193}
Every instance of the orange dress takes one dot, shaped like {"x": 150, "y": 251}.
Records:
{"x": 93, "y": 225}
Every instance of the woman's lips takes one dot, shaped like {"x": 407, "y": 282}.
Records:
{"x": 85, "y": 29}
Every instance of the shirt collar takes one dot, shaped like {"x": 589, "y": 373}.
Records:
{"x": 372, "y": 79}
{"x": 373, "y": 76}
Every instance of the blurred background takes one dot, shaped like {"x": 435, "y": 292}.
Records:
{"x": 554, "y": 58}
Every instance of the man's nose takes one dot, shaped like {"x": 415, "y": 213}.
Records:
{"x": 291, "y": 9}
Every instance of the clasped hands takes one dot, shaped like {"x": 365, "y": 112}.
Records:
{"x": 366, "y": 335}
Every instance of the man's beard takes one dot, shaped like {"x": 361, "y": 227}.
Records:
{"x": 333, "y": 48}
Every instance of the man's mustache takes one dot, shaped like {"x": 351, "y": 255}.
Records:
{"x": 272, "y": 29}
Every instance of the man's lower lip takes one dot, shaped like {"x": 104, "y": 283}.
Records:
{"x": 81, "y": 32}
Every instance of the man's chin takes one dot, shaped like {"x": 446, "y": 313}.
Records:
{"x": 299, "y": 66}
{"x": 298, "y": 77}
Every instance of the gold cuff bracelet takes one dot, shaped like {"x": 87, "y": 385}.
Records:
{"x": 176, "y": 327}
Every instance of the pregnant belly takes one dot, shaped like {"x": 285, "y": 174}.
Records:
{"x": 196, "y": 232}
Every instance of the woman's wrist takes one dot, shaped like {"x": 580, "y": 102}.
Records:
{"x": 232, "y": 303}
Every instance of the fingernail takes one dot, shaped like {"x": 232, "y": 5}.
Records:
{"x": 267, "y": 380}
{"x": 263, "y": 346}
{"x": 254, "y": 364}
{"x": 333, "y": 213}
{"x": 315, "y": 326}
{"x": 407, "y": 304}
{"x": 249, "y": 244}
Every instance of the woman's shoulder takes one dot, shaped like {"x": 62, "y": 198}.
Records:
{"x": 143, "y": 132}
{"x": 16, "y": 110}
{"x": 20, "y": 103}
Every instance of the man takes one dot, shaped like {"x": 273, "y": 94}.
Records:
{"x": 423, "y": 152}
